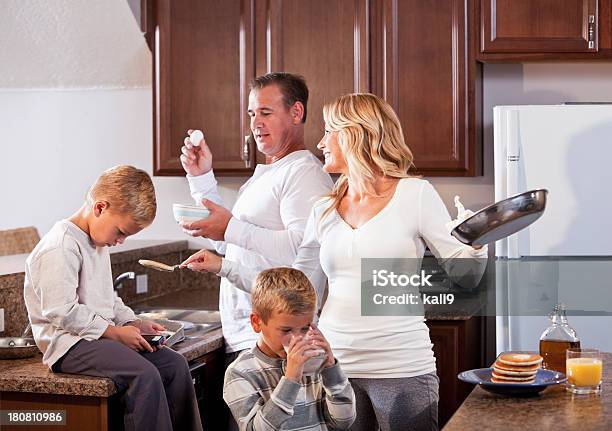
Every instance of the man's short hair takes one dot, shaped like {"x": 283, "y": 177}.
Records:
{"x": 292, "y": 87}
{"x": 284, "y": 290}
{"x": 128, "y": 191}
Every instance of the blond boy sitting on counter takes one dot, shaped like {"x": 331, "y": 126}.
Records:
{"x": 83, "y": 327}
{"x": 290, "y": 379}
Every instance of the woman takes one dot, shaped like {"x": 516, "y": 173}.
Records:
{"x": 376, "y": 209}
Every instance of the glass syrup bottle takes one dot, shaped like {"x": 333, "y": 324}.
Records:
{"x": 556, "y": 339}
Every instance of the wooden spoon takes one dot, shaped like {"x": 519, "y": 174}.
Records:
{"x": 158, "y": 265}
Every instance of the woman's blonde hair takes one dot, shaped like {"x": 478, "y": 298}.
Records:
{"x": 284, "y": 290}
{"x": 372, "y": 142}
{"x": 128, "y": 190}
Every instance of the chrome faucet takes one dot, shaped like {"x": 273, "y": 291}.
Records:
{"x": 130, "y": 275}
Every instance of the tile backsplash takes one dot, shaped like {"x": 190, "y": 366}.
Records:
{"x": 158, "y": 282}
{"x": 11, "y": 299}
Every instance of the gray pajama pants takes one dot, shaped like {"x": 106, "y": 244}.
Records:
{"x": 158, "y": 390}
{"x": 402, "y": 404}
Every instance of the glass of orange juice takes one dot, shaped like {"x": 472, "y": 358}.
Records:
{"x": 584, "y": 370}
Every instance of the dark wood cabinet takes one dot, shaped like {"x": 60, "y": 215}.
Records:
{"x": 202, "y": 63}
{"x": 545, "y": 29}
{"x": 80, "y": 412}
{"x": 326, "y": 41}
{"x": 414, "y": 55}
{"x": 207, "y": 373}
{"x": 206, "y": 52}
{"x": 458, "y": 346}
{"x": 425, "y": 59}
{"x": 423, "y": 65}
{"x": 539, "y": 25}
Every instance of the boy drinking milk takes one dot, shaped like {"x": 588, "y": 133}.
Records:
{"x": 83, "y": 327}
{"x": 274, "y": 385}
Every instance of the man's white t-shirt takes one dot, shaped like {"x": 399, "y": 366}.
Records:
{"x": 269, "y": 218}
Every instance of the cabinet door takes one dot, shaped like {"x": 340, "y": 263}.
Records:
{"x": 203, "y": 61}
{"x": 325, "y": 41}
{"x": 445, "y": 340}
{"x": 539, "y": 26}
{"x": 457, "y": 346}
{"x": 207, "y": 374}
{"x": 421, "y": 67}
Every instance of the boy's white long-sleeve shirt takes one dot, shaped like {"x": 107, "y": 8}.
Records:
{"x": 267, "y": 227}
{"x": 69, "y": 292}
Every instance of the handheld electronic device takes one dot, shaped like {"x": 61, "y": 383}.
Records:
{"x": 154, "y": 340}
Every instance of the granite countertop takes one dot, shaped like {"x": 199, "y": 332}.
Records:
{"x": 554, "y": 408}
{"x": 193, "y": 348}
{"x": 31, "y": 375}
{"x": 131, "y": 250}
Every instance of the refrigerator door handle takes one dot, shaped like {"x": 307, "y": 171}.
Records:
{"x": 502, "y": 324}
{"x": 512, "y": 168}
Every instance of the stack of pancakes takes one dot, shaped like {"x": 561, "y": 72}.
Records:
{"x": 516, "y": 368}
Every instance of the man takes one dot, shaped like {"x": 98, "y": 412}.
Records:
{"x": 266, "y": 225}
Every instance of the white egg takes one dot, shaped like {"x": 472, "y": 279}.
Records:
{"x": 196, "y": 137}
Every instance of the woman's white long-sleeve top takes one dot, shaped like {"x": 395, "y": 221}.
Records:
{"x": 372, "y": 346}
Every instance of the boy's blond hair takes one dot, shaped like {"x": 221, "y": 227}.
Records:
{"x": 284, "y": 290}
{"x": 129, "y": 191}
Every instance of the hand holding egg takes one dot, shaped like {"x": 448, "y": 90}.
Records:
{"x": 196, "y": 157}
{"x": 196, "y": 137}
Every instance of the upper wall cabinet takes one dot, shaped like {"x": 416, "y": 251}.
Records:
{"x": 414, "y": 55}
{"x": 206, "y": 52}
{"x": 544, "y": 29}
{"x": 326, "y": 41}
{"x": 421, "y": 65}
{"x": 202, "y": 65}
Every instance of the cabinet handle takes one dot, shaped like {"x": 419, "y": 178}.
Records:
{"x": 246, "y": 150}
{"x": 196, "y": 366}
{"x": 591, "y": 31}
{"x": 194, "y": 369}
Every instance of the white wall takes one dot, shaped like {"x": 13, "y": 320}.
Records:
{"x": 71, "y": 44}
{"x": 56, "y": 143}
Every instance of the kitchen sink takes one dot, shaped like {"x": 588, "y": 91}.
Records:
{"x": 195, "y": 322}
